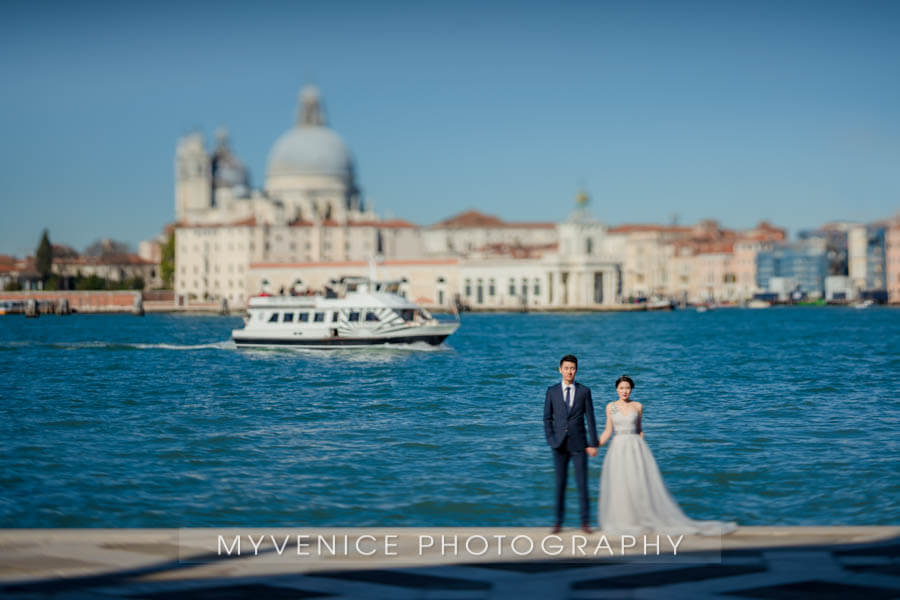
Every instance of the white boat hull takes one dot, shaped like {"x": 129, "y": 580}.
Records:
{"x": 433, "y": 335}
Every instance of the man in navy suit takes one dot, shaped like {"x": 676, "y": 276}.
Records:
{"x": 565, "y": 408}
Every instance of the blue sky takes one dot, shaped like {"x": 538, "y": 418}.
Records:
{"x": 738, "y": 111}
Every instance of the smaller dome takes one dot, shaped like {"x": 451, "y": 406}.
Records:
{"x": 227, "y": 170}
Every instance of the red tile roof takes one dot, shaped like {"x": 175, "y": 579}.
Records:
{"x": 248, "y": 222}
{"x": 390, "y": 224}
{"x": 517, "y": 251}
{"x": 473, "y": 218}
{"x": 354, "y": 263}
{"x": 636, "y": 227}
{"x": 122, "y": 259}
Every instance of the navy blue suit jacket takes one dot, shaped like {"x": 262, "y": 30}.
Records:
{"x": 560, "y": 422}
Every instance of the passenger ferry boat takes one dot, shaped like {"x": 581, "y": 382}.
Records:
{"x": 361, "y": 312}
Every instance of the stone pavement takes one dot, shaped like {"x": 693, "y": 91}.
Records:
{"x": 451, "y": 563}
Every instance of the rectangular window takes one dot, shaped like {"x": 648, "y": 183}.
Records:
{"x": 512, "y": 287}
{"x": 492, "y": 290}
{"x": 303, "y": 317}
{"x": 288, "y": 318}
{"x": 319, "y": 317}
{"x": 273, "y": 318}
{"x": 537, "y": 287}
{"x": 354, "y": 316}
{"x": 468, "y": 287}
{"x": 334, "y": 317}
{"x": 370, "y": 316}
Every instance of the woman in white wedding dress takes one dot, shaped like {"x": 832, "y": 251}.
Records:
{"x": 633, "y": 497}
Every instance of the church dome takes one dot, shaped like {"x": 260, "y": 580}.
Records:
{"x": 310, "y": 148}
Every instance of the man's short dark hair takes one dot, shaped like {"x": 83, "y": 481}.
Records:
{"x": 569, "y": 358}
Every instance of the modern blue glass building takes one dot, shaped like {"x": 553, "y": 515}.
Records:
{"x": 804, "y": 262}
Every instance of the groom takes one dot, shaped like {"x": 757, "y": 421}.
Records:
{"x": 565, "y": 408}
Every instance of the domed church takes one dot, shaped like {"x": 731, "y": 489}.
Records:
{"x": 308, "y": 225}
{"x": 309, "y": 177}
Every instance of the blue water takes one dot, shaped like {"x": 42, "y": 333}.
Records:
{"x": 784, "y": 416}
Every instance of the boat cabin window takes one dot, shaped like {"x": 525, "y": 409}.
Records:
{"x": 319, "y": 317}
{"x": 370, "y": 316}
{"x": 273, "y": 318}
{"x": 354, "y": 316}
{"x": 304, "y": 317}
{"x": 412, "y": 314}
{"x": 287, "y": 318}
{"x": 334, "y": 317}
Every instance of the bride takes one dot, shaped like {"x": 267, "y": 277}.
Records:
{"x": 633, "y": 496}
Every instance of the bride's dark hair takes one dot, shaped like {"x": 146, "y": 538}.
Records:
{"x": 625, "y": 378}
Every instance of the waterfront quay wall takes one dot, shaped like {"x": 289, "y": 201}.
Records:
{"x": 80, "y": 301}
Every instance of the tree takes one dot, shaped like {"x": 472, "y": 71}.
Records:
{"x": 167, "y": 262}
{"x": 91, "y": 282}
{"x": 43, "y": 256}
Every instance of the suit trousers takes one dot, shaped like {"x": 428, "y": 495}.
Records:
{"x": 561, "y": 458}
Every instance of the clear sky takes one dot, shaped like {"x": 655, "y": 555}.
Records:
{"x": 738, "y": 111}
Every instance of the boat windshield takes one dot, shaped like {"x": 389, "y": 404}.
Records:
{"x": 413, "y": 315}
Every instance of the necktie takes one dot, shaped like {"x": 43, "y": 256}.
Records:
{"x": 568, "y": 401}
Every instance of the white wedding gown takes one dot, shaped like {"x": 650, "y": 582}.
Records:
{"x": 633, "y": 496}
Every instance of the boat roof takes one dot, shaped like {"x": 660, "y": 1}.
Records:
{"x": 350, "y": 300}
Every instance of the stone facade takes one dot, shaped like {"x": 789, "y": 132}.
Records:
{"x": 892, "y": 260}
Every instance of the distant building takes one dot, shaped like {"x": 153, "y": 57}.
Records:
{"x": 470, "y": 231}
{"x": 804, "y": 263}
{"x": 117, "y": 268}
{"x": 578, "y": 271}
{"x": 892, "y": 260}
{"x": 839, "y": 288}
{"x": 867, "y": 259}
{"x": 646, "y": 251}
{"x": 835, "y": 237}
{"x": 9, "y": 273}
{"x": 699, "y": 263}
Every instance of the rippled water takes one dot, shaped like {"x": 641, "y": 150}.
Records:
{"x": 779, "y": 416}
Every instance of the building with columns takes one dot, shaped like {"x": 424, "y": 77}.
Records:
{"x": 579, "y": 271}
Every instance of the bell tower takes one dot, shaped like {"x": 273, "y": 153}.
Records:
{"x": 193, "y": 177}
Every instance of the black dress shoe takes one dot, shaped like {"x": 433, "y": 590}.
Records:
{"x": 556, "y": 528}
{"x": 586, "y": 527}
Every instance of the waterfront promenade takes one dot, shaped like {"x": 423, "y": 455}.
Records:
{"x": 756, "y": 562}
